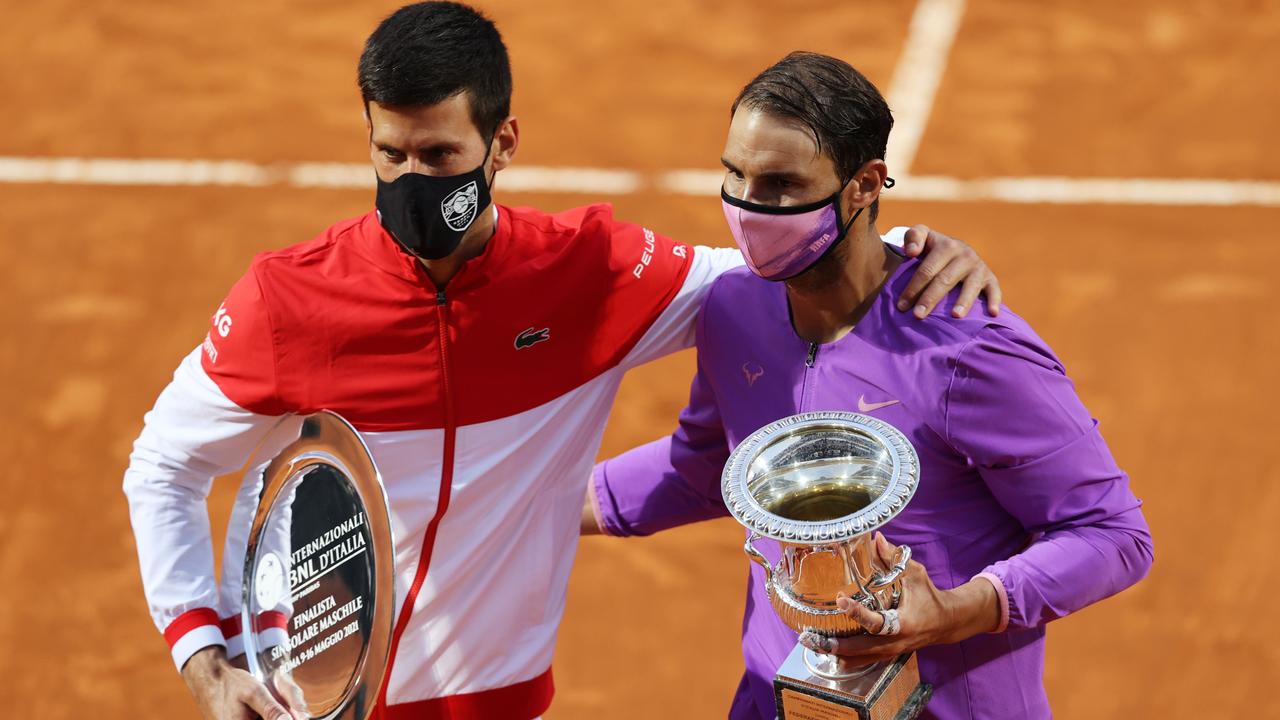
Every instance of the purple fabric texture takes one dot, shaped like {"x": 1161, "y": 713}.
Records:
{"x": 1015, "y": 480}
{"x": 779, "y": 246}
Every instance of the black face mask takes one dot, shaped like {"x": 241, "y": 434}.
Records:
{"x": 428, "y": 215}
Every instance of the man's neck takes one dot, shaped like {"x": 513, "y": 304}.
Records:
{"x": 473, "y": 243}
{"x": 824, "y": 309}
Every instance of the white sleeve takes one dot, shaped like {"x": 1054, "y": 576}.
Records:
{"x": 193, "y": 434}
{"x": 674, "y": 329}
{"x": 896, "y": 236}
{"x": 231, "y": 585}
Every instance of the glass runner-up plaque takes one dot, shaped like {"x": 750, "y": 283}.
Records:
{"x": 318, "y": 575}
{"x": 820, "y": 484}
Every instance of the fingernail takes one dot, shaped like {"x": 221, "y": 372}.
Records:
{"x": 958, "y": 311}
{"x": 844, "y": 603}
{"x": 902, "y": 305}
{"x": 920, "y": 311}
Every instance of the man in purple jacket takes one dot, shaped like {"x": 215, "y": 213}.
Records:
{"x": 1022, "y": 515}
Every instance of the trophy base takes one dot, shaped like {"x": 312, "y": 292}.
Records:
{"x": 885, "y": 691}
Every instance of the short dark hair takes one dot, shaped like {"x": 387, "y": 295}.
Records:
{"x": 849, "y": 119}
{"x": 428, "y": 52}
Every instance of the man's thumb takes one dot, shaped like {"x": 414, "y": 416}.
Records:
{"x": 266, "y": 706}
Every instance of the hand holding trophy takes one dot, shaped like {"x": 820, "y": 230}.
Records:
{"x": 821, "y": 484}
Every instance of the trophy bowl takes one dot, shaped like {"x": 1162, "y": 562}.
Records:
{"x": 821, "y": 484}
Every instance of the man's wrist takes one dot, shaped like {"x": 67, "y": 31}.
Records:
{"x": 975, "y": 609}
{"x": 208, "y": 660}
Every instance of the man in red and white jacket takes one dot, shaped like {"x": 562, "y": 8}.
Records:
{"x": 477, "y": 348}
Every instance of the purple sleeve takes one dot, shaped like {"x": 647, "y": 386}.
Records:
{"x": 668, "y": 482}
{"x": 1014, "y": 413}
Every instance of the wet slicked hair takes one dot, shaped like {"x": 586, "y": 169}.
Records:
{"x": 428, "y": 52}
{"x": 847, "y": 116}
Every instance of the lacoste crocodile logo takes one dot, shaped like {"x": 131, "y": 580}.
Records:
{"x": 532, "y": 337}
{"x": 864, "y": 406}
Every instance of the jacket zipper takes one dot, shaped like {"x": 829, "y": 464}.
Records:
{"x": 446, "y": 485}
{"x": 810, "y": 358}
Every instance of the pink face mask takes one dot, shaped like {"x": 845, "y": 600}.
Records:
{"x": 780, "y": 242}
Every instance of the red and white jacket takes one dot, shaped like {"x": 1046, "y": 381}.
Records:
{"x": 483, "y": 406}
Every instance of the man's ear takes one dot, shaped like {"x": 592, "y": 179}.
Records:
{"x": 505, "y": 142}
{"x": 864, "y": 189}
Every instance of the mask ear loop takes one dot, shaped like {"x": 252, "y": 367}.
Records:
{"x": 888, "y": 183}
{"x": 835, "y": 199}
{"x": 845, "y": 230}
{"x": 488, "y": 150}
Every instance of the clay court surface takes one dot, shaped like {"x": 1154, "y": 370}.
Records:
{"x": 1162, "y": 312}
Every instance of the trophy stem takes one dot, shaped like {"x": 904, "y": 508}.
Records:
{"x": 834, "y": 667}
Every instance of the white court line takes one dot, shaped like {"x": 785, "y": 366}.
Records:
{"x": 916, "y": 79}
{"x": 122, "y": 171}
{"x": 1088, "y": 191}
{"x": 519, "y": 178}
{"x": 1033, "y": 190}
{"x": 606, "y": 182}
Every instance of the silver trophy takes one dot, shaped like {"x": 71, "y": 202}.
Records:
{"x": 820, "y": 484}
{"x": 318, "y": 575}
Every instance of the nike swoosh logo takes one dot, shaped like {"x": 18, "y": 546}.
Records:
{"x": 864, "y": 406}
{"x": 532, "y": 337}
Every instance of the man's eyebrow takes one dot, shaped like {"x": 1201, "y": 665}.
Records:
{"x": 424, "y": 150}
{"x": 768, "y": 175}
{"x": 442, "y": 145}
{"x": 775, "y": 176}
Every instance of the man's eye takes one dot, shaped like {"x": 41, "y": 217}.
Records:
{"x": 393, "y": 155}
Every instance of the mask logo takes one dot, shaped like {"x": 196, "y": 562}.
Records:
{"x": 459, "y": 208}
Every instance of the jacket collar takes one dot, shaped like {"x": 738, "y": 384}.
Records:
{"x": 376, "y": 244}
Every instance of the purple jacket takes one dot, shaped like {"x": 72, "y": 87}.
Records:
{"x": 1016, "y": 480}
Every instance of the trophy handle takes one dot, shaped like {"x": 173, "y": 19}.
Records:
{"x": 758, "y": 557}
{"x": 883, "y": 580}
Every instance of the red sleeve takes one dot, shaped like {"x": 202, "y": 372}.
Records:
{"x": 646, "y": 271}
{"x": 239, "y": 351}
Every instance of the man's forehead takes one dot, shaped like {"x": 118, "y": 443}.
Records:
{"x": 446, "y": 121}
{"x": 763, "y": 143}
